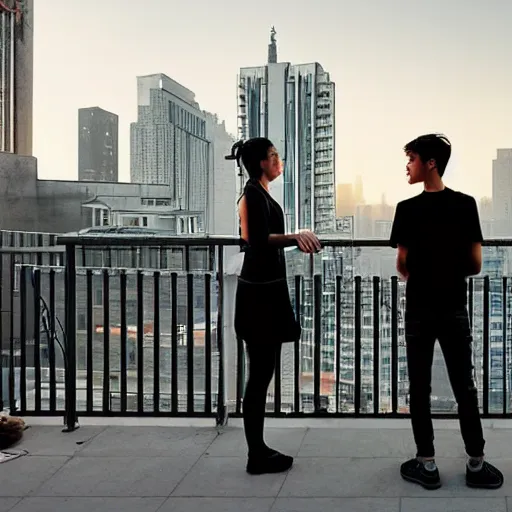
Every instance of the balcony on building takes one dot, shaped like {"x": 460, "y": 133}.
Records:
{"x": 123, "y": 337}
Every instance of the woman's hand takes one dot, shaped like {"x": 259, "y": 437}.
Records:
{"x": 308, "y": 242}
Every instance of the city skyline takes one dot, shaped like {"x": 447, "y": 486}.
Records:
{"x": 435, "y": 67}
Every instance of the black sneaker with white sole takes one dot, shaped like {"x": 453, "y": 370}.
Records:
{"x": 488, "y": 477}
{"x": 426, "y": 475}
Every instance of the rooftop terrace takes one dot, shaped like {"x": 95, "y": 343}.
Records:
{"x": 348, "y": 465}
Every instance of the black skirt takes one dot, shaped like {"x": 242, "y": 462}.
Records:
{"x": 264, "y": 312}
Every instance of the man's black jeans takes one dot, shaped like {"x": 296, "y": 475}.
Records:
{"x": 452, "y": 330}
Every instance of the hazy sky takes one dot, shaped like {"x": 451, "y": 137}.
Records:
{"x": 401, "y": 67}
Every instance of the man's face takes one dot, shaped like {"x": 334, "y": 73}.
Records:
{"x": 416, "y": 169}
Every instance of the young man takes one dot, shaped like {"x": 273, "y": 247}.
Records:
{"x": 439, "y": 243}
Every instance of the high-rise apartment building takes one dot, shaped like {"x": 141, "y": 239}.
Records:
{"x": 98, "y": 134}
{"x": 176, "y": 143}
{"x": 293, "y": 105}
{"x": 16, "y": 76}
{"x": 502, "y": 192}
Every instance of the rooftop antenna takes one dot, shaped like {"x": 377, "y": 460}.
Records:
{"x": 272, "y": 47}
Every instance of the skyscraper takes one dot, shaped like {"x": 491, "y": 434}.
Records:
{"x": 293, "y": 105}
{"x": 502, "y": 192}
{"x": 168, "y": 141}
{"x": 176, "y": 143}
{"x": 98, "y": 132}
{"x": 16, "y": 76}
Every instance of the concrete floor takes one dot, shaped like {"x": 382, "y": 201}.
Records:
{"x": 351, "y": 468}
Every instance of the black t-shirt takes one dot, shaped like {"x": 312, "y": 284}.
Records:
{"x": 438, "y": 229}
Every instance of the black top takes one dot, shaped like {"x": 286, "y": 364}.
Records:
{"x": 263, "y": 261}
{"x": 438, "y": 229}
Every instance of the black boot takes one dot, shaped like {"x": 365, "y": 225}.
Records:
{"x": 268, "y": 462}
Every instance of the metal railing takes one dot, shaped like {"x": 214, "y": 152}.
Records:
{"x": 142, "y": 326}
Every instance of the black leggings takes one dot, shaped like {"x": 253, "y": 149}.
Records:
{"x": 262, "y": 363}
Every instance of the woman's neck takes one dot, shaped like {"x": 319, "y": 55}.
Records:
{"x": 264, "y": 182}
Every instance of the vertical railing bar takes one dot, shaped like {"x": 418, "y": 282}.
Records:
{"x": 23, "y": 339}
{"x": 277, "y": 381}
{"x": 486, "y": 347}
{"x": 37, "y": 336}
{"x": 89, "y": 367}
{"x": 357, "y": 347}
{"x": 12, "y": 363}
{"x": 222, "y": 413}
{"x": 51, "y": 344}
{"x": 470, "y": 300}
{"x": 124, "y": 342}
{"x": 70, "y": 292}
{"x": 208, "y": 343}
{"x": 337, "y": 326}
{"x": 190, "y": 343}
{"x": 106, "y": 342}
{"x": 174, "y": 342}
{"x": 504, "y": 355}
{"x": 156, "y": 342}
{"x": 394, "y": 344}
{"x": 140, "y": 342}
{"x": 296, "y": 349}
{"x": 317, "y": 290}
{"x": 376, "y": 345}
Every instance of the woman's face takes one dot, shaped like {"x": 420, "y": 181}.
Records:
{"x": 272, "y": 167}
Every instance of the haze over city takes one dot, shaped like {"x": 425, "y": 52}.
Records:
{"x": 401, "y": 68}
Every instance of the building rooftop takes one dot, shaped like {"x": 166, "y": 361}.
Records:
{"x": 342, "y": 465}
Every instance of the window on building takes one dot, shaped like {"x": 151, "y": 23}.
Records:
{"x": 81, "y": 322}
{"x": 131, "y": 221}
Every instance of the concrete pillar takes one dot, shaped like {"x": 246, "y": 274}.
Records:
{"x": 232, "y": 270}
{"x": 23, "y": 80}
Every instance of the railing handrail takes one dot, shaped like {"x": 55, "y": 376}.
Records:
{"x": 150, "y": 239}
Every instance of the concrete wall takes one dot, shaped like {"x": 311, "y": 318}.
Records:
{"x": 18, "y": 192}
{"x": 29, "y": 204}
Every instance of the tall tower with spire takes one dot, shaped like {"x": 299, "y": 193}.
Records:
{"x": 272, "y": 47}
{"x": 293, "y": 105}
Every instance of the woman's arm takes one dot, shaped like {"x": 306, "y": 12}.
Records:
{"x": 255, "y": 226}
{"x": 254, "y": 223}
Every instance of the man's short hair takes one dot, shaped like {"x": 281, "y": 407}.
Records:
{"x": 433, "y": 146}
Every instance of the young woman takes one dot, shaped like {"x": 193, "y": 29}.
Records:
{"x": 264, "y": 317}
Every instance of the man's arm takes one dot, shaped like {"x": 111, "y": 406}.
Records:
{"x": 401, "y": 261}
{"x": 399, "y": 240}
{"x": 474, "y": 263}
